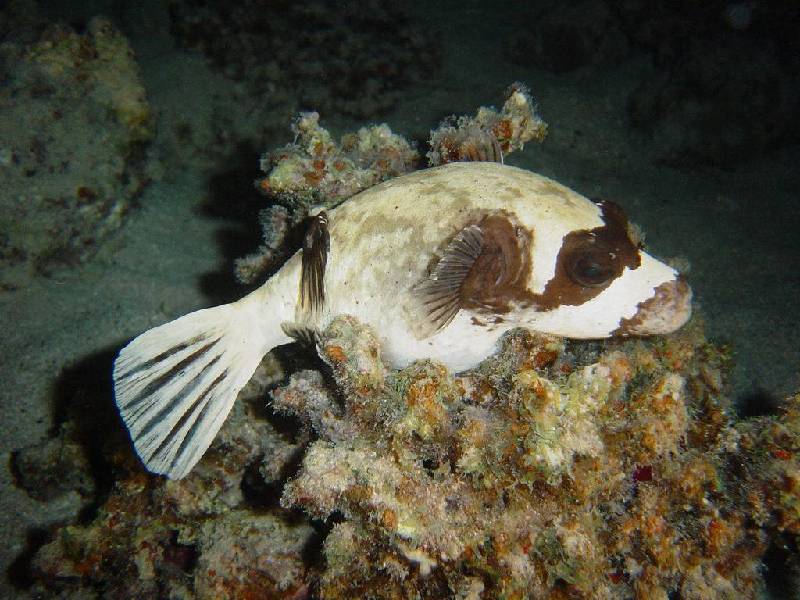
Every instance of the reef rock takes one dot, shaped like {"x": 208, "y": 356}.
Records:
{"x": 74, "y": 126}
{"x": 554, "y": 469}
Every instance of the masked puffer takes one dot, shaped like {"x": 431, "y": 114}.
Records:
{"x": 440, "y": 262}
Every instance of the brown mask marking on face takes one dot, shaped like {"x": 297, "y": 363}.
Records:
{"x": 487, "y": 268}
{"x": 589, "y": 260}
{"x": 501, "y": 273}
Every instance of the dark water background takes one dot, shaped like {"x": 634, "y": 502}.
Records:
{"x": 685, "y": 114}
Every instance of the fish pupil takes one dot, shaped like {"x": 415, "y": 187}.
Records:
{"x": 591, "y": 271}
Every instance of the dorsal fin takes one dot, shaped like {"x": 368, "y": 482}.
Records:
{"x": 485, "y": 267}
{"x": 316, "y": 246}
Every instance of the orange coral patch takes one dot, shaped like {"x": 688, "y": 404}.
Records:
{"x": 335, "y": 353}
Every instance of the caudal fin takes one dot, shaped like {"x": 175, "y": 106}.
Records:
{"x": 175, "y": 384}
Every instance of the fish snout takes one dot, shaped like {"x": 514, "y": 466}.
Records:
{"x": 668, "y": 309}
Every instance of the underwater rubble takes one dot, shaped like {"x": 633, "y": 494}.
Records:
{"x": 548, "y": 471}
{"x": 75, "y": 125}
{"x": 555, "y": 469}
{"x": 200, "y": 537}
{"x": 490, "y": 134}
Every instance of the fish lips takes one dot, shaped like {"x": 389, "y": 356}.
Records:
{"x": 668, "y": 309}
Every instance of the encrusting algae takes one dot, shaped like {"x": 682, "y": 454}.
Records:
{"x": 553, "y": 469}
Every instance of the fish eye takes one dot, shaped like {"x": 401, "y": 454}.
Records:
{"x": 592, "y": 268}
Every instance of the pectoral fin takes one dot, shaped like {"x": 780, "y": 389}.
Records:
{"x": 438, "y": 297}
{"x": 485, "y": 268}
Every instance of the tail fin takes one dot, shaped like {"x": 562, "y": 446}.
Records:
{"x": 175, "y": 384}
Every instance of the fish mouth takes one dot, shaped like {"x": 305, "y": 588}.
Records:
{"x": 668, "y": 309}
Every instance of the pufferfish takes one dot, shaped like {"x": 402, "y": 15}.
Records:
{"x": 440, "y": 262}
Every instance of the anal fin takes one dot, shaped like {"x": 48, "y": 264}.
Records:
{"x": 301, "y": 333}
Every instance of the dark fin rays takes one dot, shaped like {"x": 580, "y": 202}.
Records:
{"x": 440, "y": 294}
{"x": 316, "y": 246}
{"x": 174, "y": 395}
{"x": 305, "y": 335}
{"x": 485, "y": 268}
